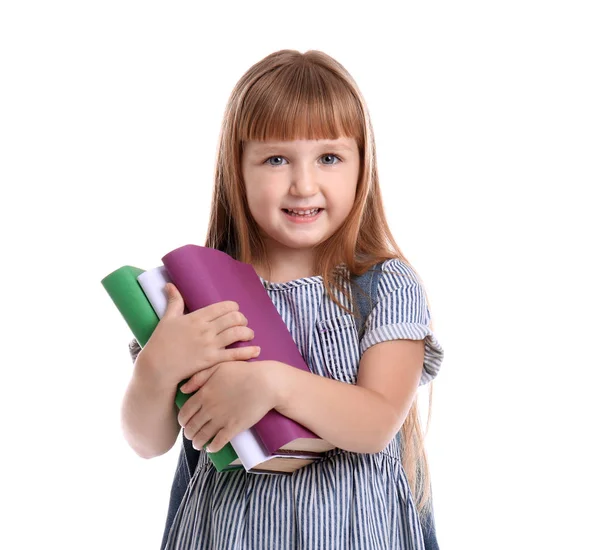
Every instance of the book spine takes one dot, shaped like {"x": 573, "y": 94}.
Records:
{"x": 124, "y": 290}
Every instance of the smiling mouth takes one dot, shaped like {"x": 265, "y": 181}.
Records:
{"x": 302, "y": 219}
{"x": 289, "y": 212}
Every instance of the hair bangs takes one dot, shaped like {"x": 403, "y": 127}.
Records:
{"x": 301, "y": 102}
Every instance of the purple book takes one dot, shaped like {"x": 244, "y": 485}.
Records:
{"x": 205, "y": 276}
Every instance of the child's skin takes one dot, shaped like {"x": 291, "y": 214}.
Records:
{"x": 233, "y": 394}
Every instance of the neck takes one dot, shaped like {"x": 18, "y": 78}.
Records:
{"x": 288, "y": 265}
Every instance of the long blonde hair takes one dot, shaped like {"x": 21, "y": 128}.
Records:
{"x": 286, "y": 96}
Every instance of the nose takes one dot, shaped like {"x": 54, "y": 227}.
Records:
{"x": 304, "y": 182}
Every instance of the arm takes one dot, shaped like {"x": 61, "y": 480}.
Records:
{"x": 361, "y": 418}
{"x": 148, "y": 412}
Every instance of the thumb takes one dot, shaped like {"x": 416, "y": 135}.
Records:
{"x": 175, "y": 304}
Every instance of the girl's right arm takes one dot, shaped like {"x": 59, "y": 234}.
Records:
{"x": 180, "y": 346}
{"x": 148, "y": 412}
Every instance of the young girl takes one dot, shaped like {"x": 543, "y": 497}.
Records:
{"x": 297, "y": 137}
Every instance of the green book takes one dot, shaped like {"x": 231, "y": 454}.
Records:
{"x": 128, "y": 296}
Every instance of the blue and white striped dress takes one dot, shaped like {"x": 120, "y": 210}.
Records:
{"x": 345, "y": 500}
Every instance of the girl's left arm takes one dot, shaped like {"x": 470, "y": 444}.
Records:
{"x": 361, "y": 418}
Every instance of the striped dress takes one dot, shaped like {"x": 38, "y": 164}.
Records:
{"x": 345, "y": 500}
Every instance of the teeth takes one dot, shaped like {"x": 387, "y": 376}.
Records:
{"x": 305, "y": 212}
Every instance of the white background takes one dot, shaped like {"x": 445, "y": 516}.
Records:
{"x": 486, "y": 119}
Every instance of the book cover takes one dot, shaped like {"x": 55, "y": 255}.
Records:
{"x": 125, "y": 291}
{"x": 205, "y": 276}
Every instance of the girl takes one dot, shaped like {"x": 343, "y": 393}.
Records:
{"x": 297, "y": 196}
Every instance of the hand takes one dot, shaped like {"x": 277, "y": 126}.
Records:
{"x": 231, "y": 397}
{"x": 182, "y": 345}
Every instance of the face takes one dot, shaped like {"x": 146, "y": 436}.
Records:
{"x": 300, "y": 174}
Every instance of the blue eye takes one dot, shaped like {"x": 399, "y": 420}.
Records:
{"x": 325, "y": 155}
{"x": 276, "y": 157}
{"x": 332, "y": 155}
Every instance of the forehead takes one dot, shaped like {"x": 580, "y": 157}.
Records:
{"x": 302, "y": 145}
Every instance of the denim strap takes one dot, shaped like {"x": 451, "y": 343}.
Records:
{"x": 368, "y": 283}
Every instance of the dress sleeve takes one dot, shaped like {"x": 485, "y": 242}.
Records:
{"x": 134, "y": 349}
{"x": 401, "y": 312}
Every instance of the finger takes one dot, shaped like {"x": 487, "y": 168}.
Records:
{"x": 241, "y": 354}
{"x": 193, "y": 426}
{"x": 198, "y": 380}
{"x": 221, "y": 439}
{"x": 175, "y": 303}
{"x": 234, "y": 334}
{"x": 204, "y": 435}
{"x": 230, "y": 319}
{"x": 191, "y": 407}
{"x": 218, "y": 310}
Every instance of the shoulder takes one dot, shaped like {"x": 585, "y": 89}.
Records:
{"x": 397, "y": 275}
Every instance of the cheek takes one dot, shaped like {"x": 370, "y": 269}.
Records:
{"x": 253, "y": 196}
{"x": 262, "y": 209}
{"x": 261, "y": 199}
{"x": 342, "y": 205}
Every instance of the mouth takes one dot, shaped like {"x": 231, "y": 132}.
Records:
{"x": 300, "y": 218}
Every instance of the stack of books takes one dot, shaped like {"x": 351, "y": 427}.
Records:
{"x": 204, "y": 276}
